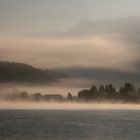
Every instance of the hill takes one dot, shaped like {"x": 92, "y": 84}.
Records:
{"x": 20, "y": 72}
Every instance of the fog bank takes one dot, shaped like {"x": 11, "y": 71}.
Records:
{"x": 67, "y": 106}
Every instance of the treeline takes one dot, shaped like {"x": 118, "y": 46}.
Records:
{"x": 25, "y": 96}
{"x": 126, "y": 93}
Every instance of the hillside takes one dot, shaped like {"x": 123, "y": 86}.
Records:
{"x": 19, "y": 72}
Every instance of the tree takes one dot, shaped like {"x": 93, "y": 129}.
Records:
{"x": 85, "y": 95}
{"x": 128, "y": 92}
{"x": 37, "y": 96}
{"x": 101, "y": 89}
{"x": 93, "y": 90}
{"x": 69, "y": 97}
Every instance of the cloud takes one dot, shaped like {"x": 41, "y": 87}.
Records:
{"x": 110, "y": 44}
{"x": 87, "y": 28}
{"x": 101, "y": 75}
{"x": 99, "y": 51}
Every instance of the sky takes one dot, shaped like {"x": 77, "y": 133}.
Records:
{"x": 73, "y": 35}
{"x": 23, "y": 16}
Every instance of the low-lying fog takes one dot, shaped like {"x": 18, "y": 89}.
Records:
{"x": 67, "y": 106}
{"x": 62, "y": 88}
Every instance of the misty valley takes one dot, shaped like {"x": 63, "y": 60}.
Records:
{"x": 11, "y": 72}
{"x": 126, "y": 94}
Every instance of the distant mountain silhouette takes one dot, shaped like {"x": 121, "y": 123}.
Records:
{"x": 129, "y": 26}
{"x": 19, "y": 72}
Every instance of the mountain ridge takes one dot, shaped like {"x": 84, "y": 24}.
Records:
{"x": 24, "y": 73}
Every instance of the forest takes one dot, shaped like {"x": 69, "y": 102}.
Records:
{"x": 126, "y": 93}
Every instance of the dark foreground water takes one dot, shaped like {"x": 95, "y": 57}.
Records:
{"x": 70, "y": 125}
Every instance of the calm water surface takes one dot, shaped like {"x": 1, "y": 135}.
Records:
{"x": 69, "y": 125}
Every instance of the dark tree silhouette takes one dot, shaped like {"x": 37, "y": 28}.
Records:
{"x": 69, "y": 97}
{"x": 85, "y": 95}
{"x": 126, "y": 93}
{"x": 53, "y": 97}
{"x": 101, "y": 89}
{"x": 37, "y": 96}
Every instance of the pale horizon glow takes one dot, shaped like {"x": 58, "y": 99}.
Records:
{"x": 66, "y": 106}
{"x": 56, "y": 52}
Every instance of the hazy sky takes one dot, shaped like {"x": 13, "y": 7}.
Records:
{"x": 23, "y": 16}
{"x": 72, "y": 35}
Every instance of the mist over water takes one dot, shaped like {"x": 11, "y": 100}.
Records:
{"x": 63, "y": 87}
{"x": 51, "y": 90}
{"x": 67, "y": 106}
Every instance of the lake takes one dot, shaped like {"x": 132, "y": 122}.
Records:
{"x": 70, "y": 124}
